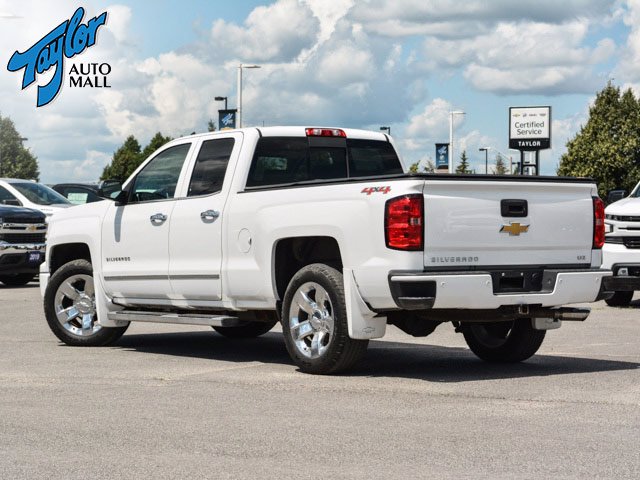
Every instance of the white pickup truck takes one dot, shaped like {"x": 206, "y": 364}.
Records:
{"x": 321, "y": 229}
{"x": 621, "y": 251}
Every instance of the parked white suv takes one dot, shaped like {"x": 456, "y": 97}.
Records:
{"x": 30, "y": 194}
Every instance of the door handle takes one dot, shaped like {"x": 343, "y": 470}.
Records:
{"x": 514, "y": 208}
{"x": 209, "y": 215}
{"x": 158, "y": 218}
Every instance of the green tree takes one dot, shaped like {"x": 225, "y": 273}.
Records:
{"x": 130, "y": 155}
{"x": 428, "y": 167}
{"x": 211, "y": 125}
{"x": 16, "y": 161}
{"x": 155, "y": 143}
{"x": 463, "y": 166}
{"x": 500, "y": 168}
{"x": 607, "y": 147}
{"x": 124, "y": 162}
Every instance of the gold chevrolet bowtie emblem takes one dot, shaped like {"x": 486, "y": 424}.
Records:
{"x": 514, "y": 229}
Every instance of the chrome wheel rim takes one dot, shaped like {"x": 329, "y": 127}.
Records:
{"x": 75, "y": 306}
{"x": 311, "y": 321}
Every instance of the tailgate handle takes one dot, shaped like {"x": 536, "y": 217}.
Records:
{"x": 514, "y": 208}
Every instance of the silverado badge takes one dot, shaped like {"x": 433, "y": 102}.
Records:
{"x": 514, "y": 229}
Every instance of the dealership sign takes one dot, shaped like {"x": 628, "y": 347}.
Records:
{"x": 530, "y": 128}
{"x": 227, "y": 119}
{"x": 68, "y": 39}
{"x": 442, "y": 155}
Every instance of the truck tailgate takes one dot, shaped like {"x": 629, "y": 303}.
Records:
{"x": 483, "y": 223}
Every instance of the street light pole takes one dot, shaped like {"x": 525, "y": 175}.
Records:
{"x": 388, "y": 130}
{"x": 240, "y": 67}
{"x": 451, "y": 114}
{"x": 486, "y": 159}
{"x": 219, "y": 99}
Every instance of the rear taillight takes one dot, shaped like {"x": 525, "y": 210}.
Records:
{"x": 403, "y": 222}
{"x": 598, "y": 223}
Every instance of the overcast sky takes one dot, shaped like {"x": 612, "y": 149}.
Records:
{"x": 352, "y": 63}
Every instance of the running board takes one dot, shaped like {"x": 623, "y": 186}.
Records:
{"x": 176, "y": 318}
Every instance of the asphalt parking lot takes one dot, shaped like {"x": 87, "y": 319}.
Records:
{"x": 186, "y": 403}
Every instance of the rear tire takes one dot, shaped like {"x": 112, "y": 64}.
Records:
{"x": 620, "y": 299}
{"x": 503, "y": 342}
{"x": 70, "y": 309}
{"x": 314, "y": 322}
{"x": 17, "y": 279}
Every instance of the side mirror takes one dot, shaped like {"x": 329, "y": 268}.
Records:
{"x": 109, "y": 187}
{"x": 122, "y": 198}
{"x": 615, "y": 195}
{"x": 12, "y": 201}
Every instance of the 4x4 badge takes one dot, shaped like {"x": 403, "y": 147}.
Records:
{"x": 514, "y": 229}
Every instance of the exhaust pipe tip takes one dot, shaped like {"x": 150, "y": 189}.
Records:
{"x": 551, "y": 318}
{"x": 573, "y": 314}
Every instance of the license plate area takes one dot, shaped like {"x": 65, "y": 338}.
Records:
{"x": 517, "y": 281}
{"x": 627, "y": 271}
{"x": 34, "y": 257}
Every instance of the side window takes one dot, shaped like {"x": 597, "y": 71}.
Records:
{"x": 158, "y": 179}
{"x": 211, "y": 165}
{"x": 278, "y": 160}
{"x": 8, "y": 198}
{"x": 369, "y": 158}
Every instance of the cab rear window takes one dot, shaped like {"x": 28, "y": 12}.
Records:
{"x": 286, "y": 160}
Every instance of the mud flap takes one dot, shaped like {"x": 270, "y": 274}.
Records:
{"x": 104, "y": 306}
{"x": 363, "y": 323}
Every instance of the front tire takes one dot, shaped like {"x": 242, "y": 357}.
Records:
{"x": 503, "y": 342}
{"x": 620, "y": 299}
{"x": 70, "y": 307}
{"x": 16, "y": 280}
{"x": 314, "y": 322}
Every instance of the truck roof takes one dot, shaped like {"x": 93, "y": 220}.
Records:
{"x": 300, "y": 131}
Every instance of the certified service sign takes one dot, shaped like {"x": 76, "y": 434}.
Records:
{"x": 529, "y": 128}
